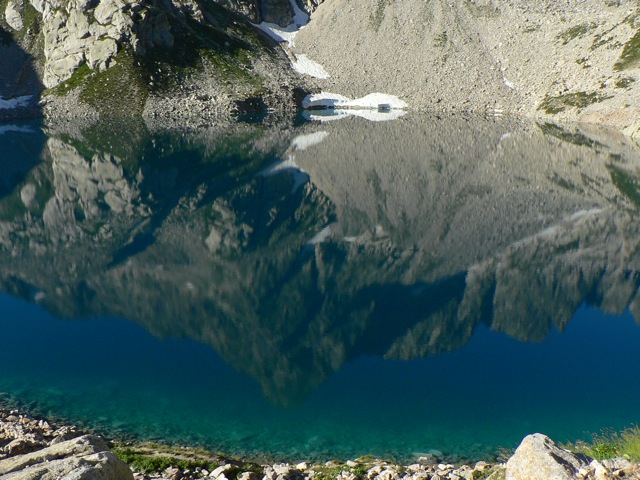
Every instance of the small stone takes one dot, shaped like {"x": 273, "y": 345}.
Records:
{"x": 302, "y": 466}
{"x": 219, "y": 472}
{"x": 249, "y": 476}
{"x": 171, "y": 472}
{"x": 281, "y": 469}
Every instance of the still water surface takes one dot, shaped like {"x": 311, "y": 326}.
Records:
{"x": 326, "y": 290}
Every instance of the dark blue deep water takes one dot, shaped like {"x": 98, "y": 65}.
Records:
{"x": 325, "y": 290}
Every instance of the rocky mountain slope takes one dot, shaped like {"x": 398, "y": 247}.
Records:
{"x": 572, "y": 60}
{"x": 569, "y": 60}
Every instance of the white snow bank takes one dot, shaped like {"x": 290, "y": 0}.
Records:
{"x": 303, "y": 64}
{"x": 15, "y": 102}
{"x": 379, "y": 101}
{"x": 288, "y": 33}
{"x": 371, "y": 115}
{"x": 14, "y": 128}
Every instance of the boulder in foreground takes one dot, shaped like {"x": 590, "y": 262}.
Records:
{"x": 83, "y": 458}
{"x": 539, "y": 458}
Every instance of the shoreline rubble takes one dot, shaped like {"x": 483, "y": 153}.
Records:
{"x": 33, "y": 447}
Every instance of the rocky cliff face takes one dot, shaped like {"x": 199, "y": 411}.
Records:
{"x": 317, "y": 251}
{"x": 156, "y": 57}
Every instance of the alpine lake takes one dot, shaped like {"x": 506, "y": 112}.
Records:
{"x": 327, "y": 288}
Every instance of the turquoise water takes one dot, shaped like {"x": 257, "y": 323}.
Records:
{"x": 323, "y": 291}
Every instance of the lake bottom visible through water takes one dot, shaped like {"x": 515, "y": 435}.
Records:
{"x": 112, "y": 376}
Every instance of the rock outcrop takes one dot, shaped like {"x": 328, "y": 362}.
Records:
{"x": 539, "y": 458}
{"x": 115, "y": 57}
{"x": 82, "y": 458}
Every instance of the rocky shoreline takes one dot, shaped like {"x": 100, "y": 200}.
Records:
{"x": 36, "y": 448}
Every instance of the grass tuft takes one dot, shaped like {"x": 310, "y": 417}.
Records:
{"x": 610, "y": 444}
{"x": 148, "y": 462}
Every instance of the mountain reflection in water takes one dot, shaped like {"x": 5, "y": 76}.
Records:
{"x": 295, "y": 251}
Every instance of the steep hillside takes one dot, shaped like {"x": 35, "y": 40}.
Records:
{"x": 571, "y": 60}
{"x": 157, "y": 58}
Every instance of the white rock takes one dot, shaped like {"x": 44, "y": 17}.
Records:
{"x": 219, "y": 472}
{"x": 281, "y": 469}
{"x": 101, "y": 53}
{"x": 13, "y": 14}
{"x": 539, "y": 458}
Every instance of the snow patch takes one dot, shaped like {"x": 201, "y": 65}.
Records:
{"x": 379, "y": 101}
{"x": 15, "y": 102}
{"x": 288, "y": 33}
{"x": 306, "y": 66}
{"x": 321, "y": 236}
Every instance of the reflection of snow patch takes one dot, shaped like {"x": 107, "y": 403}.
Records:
{"x": 15, "y": 102}
{"x": 321, "y": 236}
{"x": 371, "y": 115}
{"x": 584, "y": 213}
{"x": 302, "y": 142}
{"x": 334, "y": 100}
{"x": 14, "y": 128}
{"x": 306, "y": 66}
{"x": 288, "y": 33}
{"x": 563, "y": 223}
{"x": 300, "y": 177}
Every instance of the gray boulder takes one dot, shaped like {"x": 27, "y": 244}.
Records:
{"x": 83, "y": 458}
{"x": 13, "y": 14}
{"x": 539, "y": 458}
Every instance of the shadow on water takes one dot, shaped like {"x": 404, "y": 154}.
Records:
{"x": 19, "y": 81}
{"x": 406, "y": 238}
{"x": 21, "y": 143}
